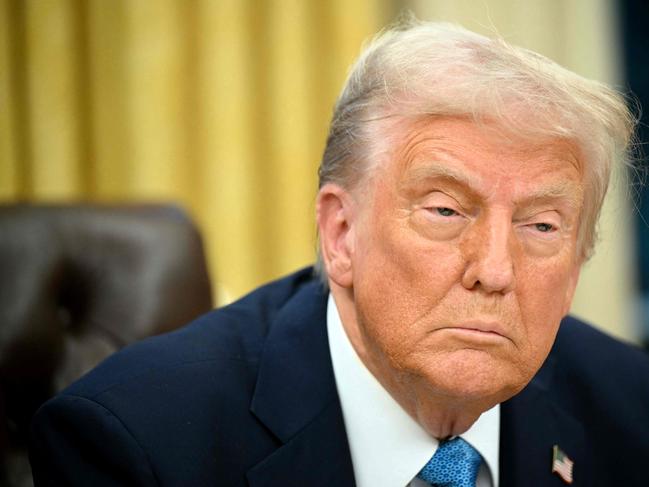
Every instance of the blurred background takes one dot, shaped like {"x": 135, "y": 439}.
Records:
{"x": 222, "y": 107}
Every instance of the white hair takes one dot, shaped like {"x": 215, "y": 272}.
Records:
{"x": 417, "y": 69}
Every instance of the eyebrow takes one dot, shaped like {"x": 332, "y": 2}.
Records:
{"x": 564, "y": 190}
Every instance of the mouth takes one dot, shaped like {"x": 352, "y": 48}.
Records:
{"x": 479, "y": 330}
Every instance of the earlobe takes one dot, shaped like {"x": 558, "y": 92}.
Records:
{"x": 334, "y": 208}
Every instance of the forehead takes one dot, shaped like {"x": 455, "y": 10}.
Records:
{"x": 480, "y": 155}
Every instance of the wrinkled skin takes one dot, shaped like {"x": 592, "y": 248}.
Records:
{"x": 453, "y": 264}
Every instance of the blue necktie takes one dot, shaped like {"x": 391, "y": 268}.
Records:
{"x": 454, "y": 464}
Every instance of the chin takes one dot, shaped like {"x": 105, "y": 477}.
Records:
{"x": 475, "y": 376}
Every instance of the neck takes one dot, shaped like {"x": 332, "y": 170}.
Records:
{"x": 440, "y": 415}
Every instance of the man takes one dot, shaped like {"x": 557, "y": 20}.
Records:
{"x": 459, "y": 193}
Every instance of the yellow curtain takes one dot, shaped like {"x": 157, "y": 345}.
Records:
{"x": 219, "y": 105}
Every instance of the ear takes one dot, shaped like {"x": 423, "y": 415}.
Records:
{"x": 334, "y": 210}
{"x": 572, "y": 285}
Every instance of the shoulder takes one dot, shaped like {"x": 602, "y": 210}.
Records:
{"x": 591, "y": 393}
{"x": 225, "y": 339}
{"x": 177, "y": 404}
{"x": 601, "y": 379}
{"x": 597, "y": 357}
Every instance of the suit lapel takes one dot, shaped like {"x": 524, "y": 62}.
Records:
{"x": 316, "y": 456}
{"x": 296, "y": 399}
{"x": 531, "y": 423}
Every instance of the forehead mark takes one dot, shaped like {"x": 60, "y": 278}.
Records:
{"x": 419, "y": 142}
{"x": 428, "y": 156}
{"x": 428, "y": 171}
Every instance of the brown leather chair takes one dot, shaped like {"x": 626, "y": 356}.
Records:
{"x": 76, "y": 284}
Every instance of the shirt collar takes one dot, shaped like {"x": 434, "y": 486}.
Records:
{"x": 387, "y": 446}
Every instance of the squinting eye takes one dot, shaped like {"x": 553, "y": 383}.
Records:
{"x": 446, "y": 211}
{"x": 544, "y": 227}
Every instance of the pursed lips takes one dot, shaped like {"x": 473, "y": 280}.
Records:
{"x": 480, "y": 329}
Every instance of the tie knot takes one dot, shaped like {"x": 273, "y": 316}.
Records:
{"x": 454, "y": 464}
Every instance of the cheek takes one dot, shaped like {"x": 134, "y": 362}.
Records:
{"x": 399, "y": 279}
{"x": 402, "y": 263}
{"x": 402, "y": 255}
{"x": 542, "y": 293}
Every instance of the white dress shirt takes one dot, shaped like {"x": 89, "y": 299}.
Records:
{"x": 388, "y": 447}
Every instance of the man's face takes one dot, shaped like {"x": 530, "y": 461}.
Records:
{"x": 463, "y": 260}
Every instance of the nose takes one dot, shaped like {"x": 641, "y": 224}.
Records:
{"x": 488, "y": 256}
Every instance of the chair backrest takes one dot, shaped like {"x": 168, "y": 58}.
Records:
{"x": 78, "y": 282}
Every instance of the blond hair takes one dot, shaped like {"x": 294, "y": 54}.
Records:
{"x": 438, "y": 69}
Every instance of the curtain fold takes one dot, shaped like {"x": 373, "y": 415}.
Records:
{"x": 219, "y": 105}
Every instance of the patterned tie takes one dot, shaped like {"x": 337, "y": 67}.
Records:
{"x": 454, "y": 464}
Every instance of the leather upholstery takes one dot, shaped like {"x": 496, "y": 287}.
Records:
{"x": 78, "y": 283}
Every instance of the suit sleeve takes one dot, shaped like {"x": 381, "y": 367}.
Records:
{"x": 78, "y": 442}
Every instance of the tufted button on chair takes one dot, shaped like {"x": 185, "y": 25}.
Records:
{"x": 76, "y": 284}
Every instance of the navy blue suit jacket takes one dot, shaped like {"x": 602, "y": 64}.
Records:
{"x": 246, "y": 396}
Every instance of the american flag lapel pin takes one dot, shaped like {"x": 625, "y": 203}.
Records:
{"x": 561, "y": 464}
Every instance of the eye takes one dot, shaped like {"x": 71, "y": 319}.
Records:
{"x": 446, "y": 211}
{"x": 544, "y": 227}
